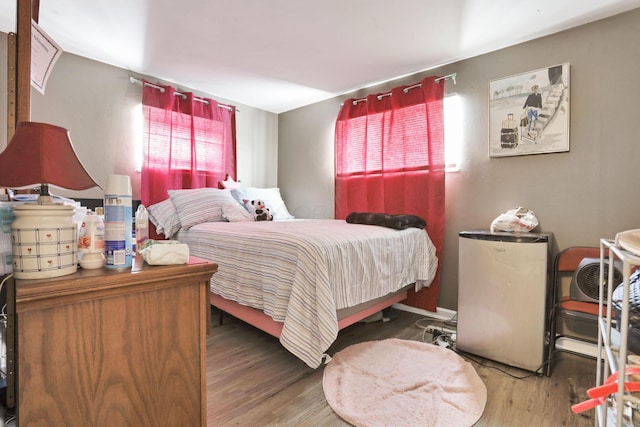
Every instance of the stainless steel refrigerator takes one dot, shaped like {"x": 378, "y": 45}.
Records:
{"x": 503, "y": 298}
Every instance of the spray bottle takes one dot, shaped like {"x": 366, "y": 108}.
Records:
{"x": 117, "y": 222}
{"x": 142, "y": 226}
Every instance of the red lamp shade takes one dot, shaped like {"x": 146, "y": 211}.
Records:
{"x": 40, "y": 153}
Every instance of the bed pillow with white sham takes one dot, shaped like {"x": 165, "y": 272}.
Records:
{"x": 200, "y": 205}
{"x": 271, "y": 198}
{"x": 233, "y": 212}
{"x": 165, "y": 217}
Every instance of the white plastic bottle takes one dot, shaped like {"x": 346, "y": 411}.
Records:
{"x": 142, "y": 226}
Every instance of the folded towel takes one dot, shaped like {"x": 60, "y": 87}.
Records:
{"x": 398, "y": 222}
{"x": 165, "y": 252}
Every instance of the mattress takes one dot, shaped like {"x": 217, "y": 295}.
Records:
{"x": 301, "y": 272}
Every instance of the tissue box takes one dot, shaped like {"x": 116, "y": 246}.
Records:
{"x": 165, "y": 252}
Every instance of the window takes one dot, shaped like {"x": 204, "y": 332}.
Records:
{"x": 188, "y": 142}
{"x": 452, "y": 132}
{"x": 390, "y": 157}
{"x": 389, "y": 149}
{"x": 376, "y": 145}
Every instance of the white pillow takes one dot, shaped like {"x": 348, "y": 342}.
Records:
{"x": 165, "y": 217}
{"x": 233, "y": 212}
{"x": 271, "y": 198}
{"x": 200, "y": 205}
{"x": 238, "y": 195}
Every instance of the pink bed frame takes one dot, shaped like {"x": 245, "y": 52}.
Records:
{"x": 265, "y": 323}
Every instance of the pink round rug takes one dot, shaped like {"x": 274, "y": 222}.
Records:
{"x": 397, "y": 382}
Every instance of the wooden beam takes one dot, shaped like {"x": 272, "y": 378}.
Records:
{"x": 12, "y": 85}
{"x": 26, "y": 11}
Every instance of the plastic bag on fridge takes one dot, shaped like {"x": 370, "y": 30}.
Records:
{"x": 518, "y": 219}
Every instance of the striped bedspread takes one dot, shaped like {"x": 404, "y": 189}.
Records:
{"x": 300, "y": 272}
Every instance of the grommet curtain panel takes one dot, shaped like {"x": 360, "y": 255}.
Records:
{"x": 389, "y": 158}
{"x": 189, "y": 142}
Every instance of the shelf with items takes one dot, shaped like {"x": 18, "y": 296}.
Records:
{"x": 613, "y": 339}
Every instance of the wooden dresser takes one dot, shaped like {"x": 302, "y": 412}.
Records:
{"x": 114, "y": 347}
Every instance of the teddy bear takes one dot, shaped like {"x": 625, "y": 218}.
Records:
{"x": 258, "y": 209}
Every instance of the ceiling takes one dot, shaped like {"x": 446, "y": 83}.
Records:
{"x": 278, "y": 55}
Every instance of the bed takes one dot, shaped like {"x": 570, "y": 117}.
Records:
{"x": 299, "y": 280}
{"x": 303, "y": 280}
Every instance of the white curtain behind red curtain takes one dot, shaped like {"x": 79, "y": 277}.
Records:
{"x": 389, "y": 157}
{"x": 189, "y": 142}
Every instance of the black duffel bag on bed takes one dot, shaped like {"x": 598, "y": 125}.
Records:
{"x": 398, "y": 222}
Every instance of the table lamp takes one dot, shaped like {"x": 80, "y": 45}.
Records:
{"x": 43, "y": 235}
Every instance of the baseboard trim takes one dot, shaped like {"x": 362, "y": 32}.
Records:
{"x": 562, "y": 343}
{"x": 440, "y": 314}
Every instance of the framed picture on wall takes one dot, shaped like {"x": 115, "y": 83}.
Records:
{"x": 529, "y": 112}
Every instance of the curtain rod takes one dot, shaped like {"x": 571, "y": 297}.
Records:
{"x": 451, "y": 76}
{"x": 161, "y": 89}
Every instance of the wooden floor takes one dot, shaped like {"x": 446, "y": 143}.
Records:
{"x": 253, "y": 381}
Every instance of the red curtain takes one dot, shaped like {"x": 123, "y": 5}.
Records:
{"x": 389, "y": 157}
{"x": 189, "y": 142}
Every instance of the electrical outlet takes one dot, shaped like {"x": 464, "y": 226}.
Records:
{"x": 442, "y": 329}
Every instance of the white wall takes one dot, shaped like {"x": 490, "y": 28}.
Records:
{"x": 581, "y": 195}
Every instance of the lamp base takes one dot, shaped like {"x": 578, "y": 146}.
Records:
{"x": 44, "y": 241}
